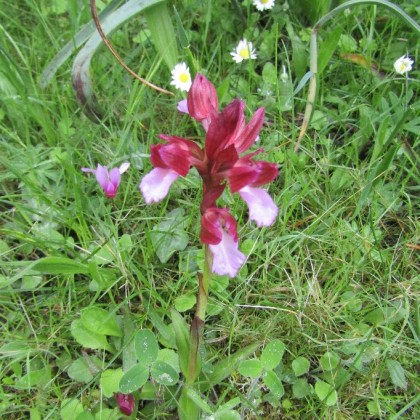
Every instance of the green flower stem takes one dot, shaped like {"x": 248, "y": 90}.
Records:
{"x": 197, "y": 326}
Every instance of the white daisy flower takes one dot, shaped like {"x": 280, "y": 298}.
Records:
{"x": 243, "y": 51}
{"x": 181, "y": 77}
{"x": 262, "y": 5}
{"x": 403, "y": 65}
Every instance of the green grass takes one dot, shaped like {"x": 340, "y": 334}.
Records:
{"x": 338, "y": 272}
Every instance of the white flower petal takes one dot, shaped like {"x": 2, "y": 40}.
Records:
{"x": 227, "y": 259}
{"x": 262, "y": 5}
{"x": 155, "y": 185}
{"x": 123, "y": 167}
{"x": 262, "y": 208}
{"x": 243, "y": 51}
{"x": 181, "y": 77}
{"x": 403, "y": 65}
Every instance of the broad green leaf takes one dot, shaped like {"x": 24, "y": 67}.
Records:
{"x": 34, "y": 379}
{"x": 60, "y": 265}
{"x": 397, "y": 373}
{"x": 82, "y": 81}
{"x": 329, "y": 361}
{"x": 134, "y": 379}
{"x": 226, "y": 367}
{"x": 301, "y": 388}
{"x": 234, "y": 402}
{"x": 200, "y": 402}
{"x": 251, "y": 368}
{"x": 125, "y": 243}
{"x": 81, "y": 369}
{"x": 169, "y": 235}
{"x": 327, "y": 48}
{"x": 274, "y": 384}
{"x": 272, "y": 354}
{"x": 347, "y": 43}
{"x": 182, "y": 35}
{"x": 31, "y": 282}
{"x": 227, "y": 415}
{"x": 167, "y": 333}
{"x": 386, "y": 315}
{"x": 70, "y": 409}
{"x": 300, "y": 57}
{"x": 146, "y": 347}
{"x": 108, "y": 414}
{"x": 187, "y": 407}
{"x": 100, "y": 321}
{"x": 15, "y": 349}
{"x": 129, "y": 352}
{"x": 88, "y": 338}
{"x": 163, "y": 33}
{"x": 78, "y": 40}
{"x": 326, "y": 393}
{"x": 373, "y": 408}
{"x": 164, "y": 374}
{"x": 110, "y": 381}
{"x": 182, "y": 337}
{"x": 85, "y": 415}
{"x": 300, "y": 366}
{"x": 170, "y": 357}
{"x": 185, "y": 302}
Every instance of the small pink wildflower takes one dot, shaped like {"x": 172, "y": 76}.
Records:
{"x": 108, "y": 180}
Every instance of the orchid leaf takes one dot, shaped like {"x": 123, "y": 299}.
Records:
{"x": 82, "y": 81}
{"x": 182, "y": 340}
{"x": 226, "y": 367}
{"x": 79, "y": 39}
{"x": 163, "y": 33}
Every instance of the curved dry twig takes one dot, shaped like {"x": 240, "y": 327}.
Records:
{"x": 115, "y": 54}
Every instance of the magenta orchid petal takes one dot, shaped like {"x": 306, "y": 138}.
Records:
{"x": 202, "y": 101}
{"x": 173, "y": 155}
{"x": 227, "y": 259}
{"x": 155, "y": 185}
{"x": 262, "y": 208}
{"x": 183, "y": 106}
{"x": 249, "y": 133}
{"x": 114, "y": 178}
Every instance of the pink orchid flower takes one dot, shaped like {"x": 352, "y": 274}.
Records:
{"x": 220, "y": 162}
{"x": 108, "y": 180}
{"x": 125, "y": 403}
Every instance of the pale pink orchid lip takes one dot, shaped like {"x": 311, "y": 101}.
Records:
{"x": 262, "y": 209}
{"x": 155, "y": 185}
{"x": 108, "y": 180}
{"x": 219, "y": 231}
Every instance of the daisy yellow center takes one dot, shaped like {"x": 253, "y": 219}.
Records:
{"x": 244, "y": 53}
{"x": 264, "y": 1}
{"x": 184, "y": 78}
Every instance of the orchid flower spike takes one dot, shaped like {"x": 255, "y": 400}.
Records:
{"x": 108, "y": 180}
